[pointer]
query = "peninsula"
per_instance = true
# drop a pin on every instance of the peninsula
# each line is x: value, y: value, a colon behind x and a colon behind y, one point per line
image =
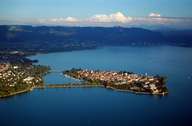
x: 122, y: 81
x: 18, y: 74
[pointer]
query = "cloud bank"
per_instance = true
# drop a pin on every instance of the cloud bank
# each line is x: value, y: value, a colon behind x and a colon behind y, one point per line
x: 59, y: 20
x: 154, y: 19
x: 115, y: 17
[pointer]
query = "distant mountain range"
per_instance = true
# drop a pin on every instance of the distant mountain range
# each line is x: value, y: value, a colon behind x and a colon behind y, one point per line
x: 58, y: 38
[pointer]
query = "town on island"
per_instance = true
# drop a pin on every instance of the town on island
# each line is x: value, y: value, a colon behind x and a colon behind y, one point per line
x: 19, y: 74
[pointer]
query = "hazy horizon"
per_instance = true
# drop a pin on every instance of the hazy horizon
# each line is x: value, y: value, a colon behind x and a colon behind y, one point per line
x: 129, y: 13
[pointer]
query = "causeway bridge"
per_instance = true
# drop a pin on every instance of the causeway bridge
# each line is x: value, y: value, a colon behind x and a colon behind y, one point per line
x: 73, y: 85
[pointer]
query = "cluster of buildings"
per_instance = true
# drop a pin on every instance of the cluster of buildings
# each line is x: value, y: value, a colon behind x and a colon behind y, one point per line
x: 122, y: 78
x: 18, y: 74
x: 15, y: 74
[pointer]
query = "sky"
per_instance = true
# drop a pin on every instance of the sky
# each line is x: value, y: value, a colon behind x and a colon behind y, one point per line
x: 175, y: 13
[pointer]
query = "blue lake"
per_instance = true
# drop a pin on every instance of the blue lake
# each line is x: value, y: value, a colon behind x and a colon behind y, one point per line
x: 99, y: 106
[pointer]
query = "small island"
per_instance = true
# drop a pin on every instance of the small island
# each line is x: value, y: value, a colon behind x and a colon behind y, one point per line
x: 121, y: 81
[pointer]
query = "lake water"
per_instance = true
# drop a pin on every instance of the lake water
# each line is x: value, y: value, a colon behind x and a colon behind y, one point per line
x: 99, y: 106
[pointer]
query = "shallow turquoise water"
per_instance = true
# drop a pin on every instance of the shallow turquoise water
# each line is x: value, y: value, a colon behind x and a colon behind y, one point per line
x: 99, y: 106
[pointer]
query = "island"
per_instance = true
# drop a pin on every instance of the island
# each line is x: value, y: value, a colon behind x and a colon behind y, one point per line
x: 121, y: 81
x: 19, y: 74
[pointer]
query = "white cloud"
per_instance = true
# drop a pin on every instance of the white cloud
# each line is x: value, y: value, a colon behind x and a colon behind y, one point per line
x: 115, y: 17
x: 108, y: 20
x: 154, y: 15
x: 59, y: 20
x: 71, y: 19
